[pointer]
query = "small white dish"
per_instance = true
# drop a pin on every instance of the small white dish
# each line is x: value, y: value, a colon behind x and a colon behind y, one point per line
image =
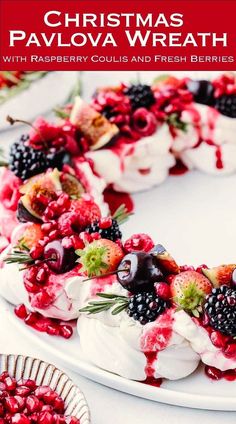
x: 20, y: 366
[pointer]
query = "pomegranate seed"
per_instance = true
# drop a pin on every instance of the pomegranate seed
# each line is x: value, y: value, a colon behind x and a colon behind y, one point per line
x: 2, y: 421
x: 53, y: 235
x: 2, y: 410
x: 53, y: 330
x: 21, y: 311
x: 217, y: 339
x: 187, y: 268
x: 77, y: 242
x: 72, y: 420
x: 31, y: 287
x: 66, y: 331
x: 54, y: 207
x: 22, y: 391
x: 27, y: 382
x: 31, y: 318
x: 97, y: 236
x: 36, y: 252
x: 42, y: 324
x: 59, y: 405
x: 201, y: 267
x: 230, y: 351
x: 42, y: 390
x: 43, y: 299
x: 45, y: 418
x: 11, y: 405
x: 230, y: 375
x: 59, y: 419
x: 20, y: 419
x: 2, y: 386
x: 48, y: 408
x: 105, y: 223
x: 47, y: 227
x: 10, y: 383
x: 32, y: 404
x: 41, y: 276
x: 21, y: 402
x: 31, y: 274
x: 4, y: 375
x: 67, y: 243
x: 213, y: 373
x: 64, y: 201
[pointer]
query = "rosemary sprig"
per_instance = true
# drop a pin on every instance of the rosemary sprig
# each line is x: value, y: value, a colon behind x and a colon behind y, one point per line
x: 20, y: 257
x: 121, y: 214
x: 112, y: 301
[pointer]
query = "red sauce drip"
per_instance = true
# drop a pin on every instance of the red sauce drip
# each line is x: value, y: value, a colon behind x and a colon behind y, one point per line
x: 178, y: 169
x: 151, y: 358
x: 156, y: 382
x: 219, y: 162
x: 215, y: 374
x: 115, y: 199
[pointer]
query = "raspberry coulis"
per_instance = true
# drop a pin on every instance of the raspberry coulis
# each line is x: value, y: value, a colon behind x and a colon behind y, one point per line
x: 154, y: 339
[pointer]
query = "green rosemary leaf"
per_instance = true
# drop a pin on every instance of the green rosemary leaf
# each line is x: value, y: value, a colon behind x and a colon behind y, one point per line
x: 121, y: 215
x: 119, y: 309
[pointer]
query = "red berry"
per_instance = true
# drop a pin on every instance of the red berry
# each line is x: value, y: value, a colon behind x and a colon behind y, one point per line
x: 66, y: 331
x: 230, y: 351
x: 213, y: 373
x: 105, y: 223
x: 139, y: 242
x: 217, y: 339
x: 163, y: 290
x: 41, y: 276
x: 36, y: 252
x: 21, y: 311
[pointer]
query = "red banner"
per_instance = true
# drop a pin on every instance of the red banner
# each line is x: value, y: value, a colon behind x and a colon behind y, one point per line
x: 117, y: 35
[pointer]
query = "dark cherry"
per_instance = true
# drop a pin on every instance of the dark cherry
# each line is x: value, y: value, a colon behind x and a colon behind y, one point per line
x: 59, y: 259
x: 202, y: 91
x: 141, y: 272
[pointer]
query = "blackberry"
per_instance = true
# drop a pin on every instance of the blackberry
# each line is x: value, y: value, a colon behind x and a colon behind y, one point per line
x: 226, y: 105
x: 140, y: 95
x: 24, y: 161
x: 112, y: 232
x: 202, y: 91
x: 57, y: 158
x: 220, y: 308
x: 146, y: 307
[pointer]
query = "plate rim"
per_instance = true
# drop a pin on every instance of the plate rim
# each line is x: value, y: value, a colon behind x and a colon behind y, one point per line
x: 114, y: 381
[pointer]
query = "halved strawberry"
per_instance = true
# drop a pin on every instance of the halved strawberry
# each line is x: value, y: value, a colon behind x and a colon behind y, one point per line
x: 87, y: 211
x: 220, y: 275
x: 31, y: 236
x: 189, y: 289
x: 100, y: 257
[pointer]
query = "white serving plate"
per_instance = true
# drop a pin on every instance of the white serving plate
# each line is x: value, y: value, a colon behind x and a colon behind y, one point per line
x: 195, y: 391
x: 45, y: 374
x: 194, y: 217
x: 40, y: 98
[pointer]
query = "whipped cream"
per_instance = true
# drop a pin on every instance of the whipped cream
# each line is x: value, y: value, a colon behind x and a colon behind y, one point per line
x: 65, y: 306
x: 201, y: 343
x: 137, y: 165
x: 123, y: 346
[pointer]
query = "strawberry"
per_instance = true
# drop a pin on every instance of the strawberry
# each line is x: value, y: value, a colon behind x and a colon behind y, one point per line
x: 87, y: 211
x: 189, y: 289
x: 100, y: 257
x: 220, y: 275
x: 31, y: 236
